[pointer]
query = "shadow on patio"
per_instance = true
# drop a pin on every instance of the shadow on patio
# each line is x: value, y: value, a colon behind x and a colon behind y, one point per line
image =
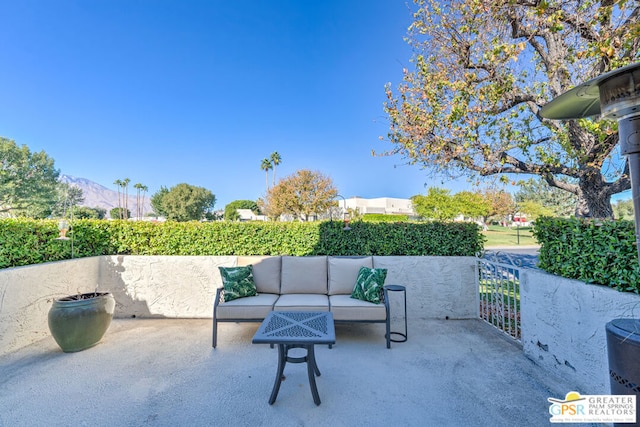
x: 164, y: 372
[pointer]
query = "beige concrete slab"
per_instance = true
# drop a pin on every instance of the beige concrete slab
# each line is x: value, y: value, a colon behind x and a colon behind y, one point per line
x: 162, y: 372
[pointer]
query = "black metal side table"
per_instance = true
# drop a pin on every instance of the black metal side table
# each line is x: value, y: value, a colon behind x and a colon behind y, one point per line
x: 400, y: 337
x: 296, y: 329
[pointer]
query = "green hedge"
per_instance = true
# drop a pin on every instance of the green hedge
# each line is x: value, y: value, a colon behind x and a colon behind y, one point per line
x: 33, y: 241
x: 602, y: 252
x: 384, y: 218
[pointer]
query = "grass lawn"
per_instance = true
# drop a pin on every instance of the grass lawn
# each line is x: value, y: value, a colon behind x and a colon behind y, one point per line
x: 505, y: 236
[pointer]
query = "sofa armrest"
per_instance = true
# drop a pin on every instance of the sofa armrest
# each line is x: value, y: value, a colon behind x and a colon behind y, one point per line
x: 219, y: 297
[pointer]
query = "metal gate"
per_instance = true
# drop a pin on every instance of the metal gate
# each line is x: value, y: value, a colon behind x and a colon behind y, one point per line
x: 499, y: 292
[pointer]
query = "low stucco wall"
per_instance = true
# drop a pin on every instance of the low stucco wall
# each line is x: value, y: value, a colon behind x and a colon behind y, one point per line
x: 563, y: 326
x: 26, y: 294
x: 184, y: 287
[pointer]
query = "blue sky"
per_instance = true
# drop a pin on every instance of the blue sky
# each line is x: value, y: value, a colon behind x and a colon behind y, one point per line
x: 164, y: 92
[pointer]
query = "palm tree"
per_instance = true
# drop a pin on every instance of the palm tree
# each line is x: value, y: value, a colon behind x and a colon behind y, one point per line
x: 275, y: 161
x: 118, y: 183
x: 265, y: 166
x: 125, y: 185
x: 138, y: 188
x: 144, y: 189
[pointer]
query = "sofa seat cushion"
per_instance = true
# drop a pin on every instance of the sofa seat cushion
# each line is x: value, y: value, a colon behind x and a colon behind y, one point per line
x: 343, y: 272
x: 256, y: 307
x: 302, y: 302
x: 346, y: 308
x: 304, y: 275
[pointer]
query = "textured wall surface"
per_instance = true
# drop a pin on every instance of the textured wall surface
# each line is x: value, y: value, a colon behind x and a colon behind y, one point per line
x: 563, y: 326
x: 26, y: 294
x: 184, y: 287
x: 163, y: 286
x: 437, y: 287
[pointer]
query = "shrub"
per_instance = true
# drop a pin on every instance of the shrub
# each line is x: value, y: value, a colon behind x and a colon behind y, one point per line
x: 33, y: 241
x: 602, y: 252
x: 384, y: 218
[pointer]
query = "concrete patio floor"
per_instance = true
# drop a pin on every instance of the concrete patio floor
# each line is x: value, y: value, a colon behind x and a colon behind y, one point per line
x: 163, y: 372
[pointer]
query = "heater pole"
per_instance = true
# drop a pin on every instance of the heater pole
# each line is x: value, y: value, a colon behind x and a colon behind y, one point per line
x: 629, y: 131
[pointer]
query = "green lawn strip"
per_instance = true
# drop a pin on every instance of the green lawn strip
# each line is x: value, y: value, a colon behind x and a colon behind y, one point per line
x: 504, y: 236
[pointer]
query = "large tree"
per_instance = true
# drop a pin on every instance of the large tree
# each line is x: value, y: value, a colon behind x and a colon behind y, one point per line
x: 266, y: 165
x: 68, y: 197
x: 623, y: 209
x: 28, y: 181
x: 441, y: 205
x: 183, y: 202
x: 500, y: 204
x: 302, y: 194
x: 276, y: 159
x: 472, y: 205
x: 438, y: 204
x: 140, y: 192
x: 482, y: 69
x: 558, y: 202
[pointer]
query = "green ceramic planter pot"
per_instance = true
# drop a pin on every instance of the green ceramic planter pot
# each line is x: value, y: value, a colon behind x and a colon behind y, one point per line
x: 79, y: 321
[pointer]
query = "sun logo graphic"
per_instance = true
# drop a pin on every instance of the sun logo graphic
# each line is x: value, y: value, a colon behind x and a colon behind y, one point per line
x: 573, y: 404
x: 593, y: 408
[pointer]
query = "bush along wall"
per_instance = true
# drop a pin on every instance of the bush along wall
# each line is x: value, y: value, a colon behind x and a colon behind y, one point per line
x: 26, y: 241
x: 369, y: 217
x: 598, y: 252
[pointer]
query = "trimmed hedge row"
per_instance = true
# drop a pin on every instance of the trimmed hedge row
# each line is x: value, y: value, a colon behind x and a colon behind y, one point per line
x: 602, y: 252
x: 384, y: 218
x: 26, y: 241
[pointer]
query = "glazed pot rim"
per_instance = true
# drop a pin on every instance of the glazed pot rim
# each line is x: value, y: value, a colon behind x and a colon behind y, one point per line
x: 83, y: 297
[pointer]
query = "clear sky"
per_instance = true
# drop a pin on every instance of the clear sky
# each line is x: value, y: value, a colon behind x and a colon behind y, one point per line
x: 164, y: 92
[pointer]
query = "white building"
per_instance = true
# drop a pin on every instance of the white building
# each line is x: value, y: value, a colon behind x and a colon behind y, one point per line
x: 248, y: 215
x: 380, y: 205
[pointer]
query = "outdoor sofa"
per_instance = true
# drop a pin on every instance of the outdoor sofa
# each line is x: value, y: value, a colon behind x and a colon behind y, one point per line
x: 304, y: 283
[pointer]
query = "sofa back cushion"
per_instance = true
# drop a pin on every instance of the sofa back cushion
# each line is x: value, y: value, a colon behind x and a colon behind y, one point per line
x: 343, y: 272
x: 304, y: 275
x: 266, y: 272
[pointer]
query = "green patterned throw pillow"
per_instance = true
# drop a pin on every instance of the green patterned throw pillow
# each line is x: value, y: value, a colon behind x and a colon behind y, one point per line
x: 237, y: 282
x: 369, y: 284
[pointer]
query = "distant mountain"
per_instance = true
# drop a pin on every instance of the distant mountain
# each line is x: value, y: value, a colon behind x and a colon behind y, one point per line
x: 99, y: 196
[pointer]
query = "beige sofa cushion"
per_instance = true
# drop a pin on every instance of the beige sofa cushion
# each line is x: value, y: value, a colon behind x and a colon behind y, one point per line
x: 302, y: 302
x: 256, y: 307
x: 266, y: 272
x: 343, y: 272
x: 344, y: 307
x: 304, y: 275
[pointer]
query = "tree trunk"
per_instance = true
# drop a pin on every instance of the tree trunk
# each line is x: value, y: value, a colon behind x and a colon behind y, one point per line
x: 594, y: 197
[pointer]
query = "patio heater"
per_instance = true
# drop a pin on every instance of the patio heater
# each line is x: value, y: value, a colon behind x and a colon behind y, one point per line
x: 614, y: 95
x: 64, y: 226
x: 345, y: 213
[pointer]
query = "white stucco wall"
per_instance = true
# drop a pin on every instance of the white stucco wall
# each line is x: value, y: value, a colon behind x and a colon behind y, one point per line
x: 437, y: 287
x: 184, y: 286
x: 26, y: 294
x: 163, y: 286
x: 563, y: 326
